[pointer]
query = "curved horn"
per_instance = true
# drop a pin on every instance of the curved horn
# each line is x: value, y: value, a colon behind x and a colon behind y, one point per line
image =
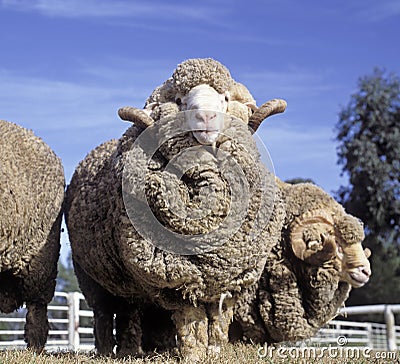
x: 312, y: 237
x: 138, y: 116
x: 271, y: 107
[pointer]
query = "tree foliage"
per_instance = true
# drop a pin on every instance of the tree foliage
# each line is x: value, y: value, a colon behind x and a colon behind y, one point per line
x: 297, y: 180
x: 66, y: 278
x: 368, y: 132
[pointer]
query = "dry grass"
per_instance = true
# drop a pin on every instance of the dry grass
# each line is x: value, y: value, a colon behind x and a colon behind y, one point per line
x: 231, y: 354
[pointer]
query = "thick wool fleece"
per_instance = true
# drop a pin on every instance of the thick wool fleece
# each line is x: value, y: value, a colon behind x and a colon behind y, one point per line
x: 31, y: 195
x: 194, y: 72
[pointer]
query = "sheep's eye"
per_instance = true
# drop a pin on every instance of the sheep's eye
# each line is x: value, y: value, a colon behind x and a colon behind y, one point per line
x: 178, y: 101
x: 226, y: 98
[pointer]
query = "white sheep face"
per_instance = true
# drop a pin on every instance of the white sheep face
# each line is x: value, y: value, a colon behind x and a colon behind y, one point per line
x: 356, y: 268
x: 206, y: 112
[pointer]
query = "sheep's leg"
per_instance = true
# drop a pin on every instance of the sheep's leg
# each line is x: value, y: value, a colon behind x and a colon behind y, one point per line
x: 128, y: 331
x: 103, y: 330
x: 218, y: 328
x: 192, y: 332
x: 36, y: 326
x: 102, y: 302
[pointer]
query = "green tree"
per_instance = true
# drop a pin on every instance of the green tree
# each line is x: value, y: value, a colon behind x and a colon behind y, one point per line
x: 368, y: 132
x: 66, y: 278
x: 297, y: 180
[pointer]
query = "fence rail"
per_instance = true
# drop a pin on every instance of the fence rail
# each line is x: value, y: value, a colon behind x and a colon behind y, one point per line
x: 71, y: 327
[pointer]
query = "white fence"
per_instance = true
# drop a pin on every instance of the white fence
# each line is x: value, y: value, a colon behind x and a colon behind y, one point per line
x: 70, y: 320
x: 362, y: 334
x: 71, y: 328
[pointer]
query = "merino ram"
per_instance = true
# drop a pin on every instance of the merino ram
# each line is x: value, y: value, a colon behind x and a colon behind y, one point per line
x: 31, y: 194
x: 309, y: 272
x: 179, y: 215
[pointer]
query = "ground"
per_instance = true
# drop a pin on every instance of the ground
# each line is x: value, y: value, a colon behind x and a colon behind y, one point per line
x: 238, y: 354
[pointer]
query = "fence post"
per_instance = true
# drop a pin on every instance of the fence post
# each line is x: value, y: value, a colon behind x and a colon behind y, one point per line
x: 390, y: 329
x: 73, y: 320
x: 370, y: 337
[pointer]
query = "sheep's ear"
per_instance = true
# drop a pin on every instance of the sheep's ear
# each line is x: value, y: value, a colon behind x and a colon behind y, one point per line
x: 312, y: 237
x: 239, y: 110
x: 367, y: 253
x: 271, y: 107
x: 139, y: 117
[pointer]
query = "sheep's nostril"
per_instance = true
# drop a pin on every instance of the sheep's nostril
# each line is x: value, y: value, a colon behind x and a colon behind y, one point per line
x: 200, y: 116
x: 366, y: 271
x: 205, y: 116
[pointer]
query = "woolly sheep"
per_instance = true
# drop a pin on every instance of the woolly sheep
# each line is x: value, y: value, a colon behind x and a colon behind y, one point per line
x: 31, y: 194
x: 119, y: 271
x: 309, y: 272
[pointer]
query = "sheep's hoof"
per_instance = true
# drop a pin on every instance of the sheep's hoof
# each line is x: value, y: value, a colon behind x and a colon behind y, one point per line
x: 130, y: 353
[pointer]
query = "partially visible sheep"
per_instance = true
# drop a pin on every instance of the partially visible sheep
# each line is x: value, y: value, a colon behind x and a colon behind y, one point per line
x: 308, y: 273
x: 31, y: 194
x: 118, y: 270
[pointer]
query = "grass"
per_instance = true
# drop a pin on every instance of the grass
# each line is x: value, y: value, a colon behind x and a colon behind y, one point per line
x: 231, y: 354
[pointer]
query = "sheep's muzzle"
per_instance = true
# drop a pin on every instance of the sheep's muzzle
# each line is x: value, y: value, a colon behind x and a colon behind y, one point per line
x: 356, y: 269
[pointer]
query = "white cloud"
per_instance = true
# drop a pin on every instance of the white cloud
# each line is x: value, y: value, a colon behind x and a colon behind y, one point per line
x: 292, y: 81
x: 366, y: 11
x: 123, y: 71
x: 71, y: 118
x: 114, y: 9
x: 208, y: 12
x: 58, y: 104
x: 376, y: 11
x: 53, y: 104
x: 161, y: 17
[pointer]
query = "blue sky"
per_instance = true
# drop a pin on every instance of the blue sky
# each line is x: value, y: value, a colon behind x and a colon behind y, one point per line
x: 66, y: 66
